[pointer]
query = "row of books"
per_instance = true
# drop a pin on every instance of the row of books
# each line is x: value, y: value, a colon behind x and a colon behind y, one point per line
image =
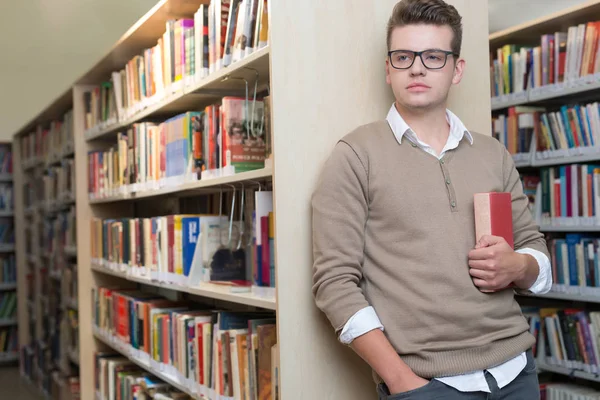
x: 8, y: 304
x: 566, y: 337
x: 571, y: 191
x: 60, y: 232
x: 7, y: 232
x: 6, y: 167
x: 192, y: 248
x: 229, y: 135
x: 559, y: 57
x: 229, y: 354
x: 570, y: 127
x: 8, y: 340
x: 575, y: 263
x: 59, y: 182
x: 567, y: 391
x: 47, y: 144
x: 69, y: 286
x: 117, y: 377
x: 6, y: 197
x: 217, y: 35
x: 515, y: 130
x: 8, y: 268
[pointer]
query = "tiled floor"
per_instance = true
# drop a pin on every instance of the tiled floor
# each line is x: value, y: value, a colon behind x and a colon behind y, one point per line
x: 13, y: 387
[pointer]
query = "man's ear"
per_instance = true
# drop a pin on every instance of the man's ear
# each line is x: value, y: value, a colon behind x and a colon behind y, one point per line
x: 458, y: 71
x: 387, y: 71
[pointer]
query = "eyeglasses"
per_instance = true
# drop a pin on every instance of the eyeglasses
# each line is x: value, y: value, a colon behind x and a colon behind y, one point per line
x: 431, y: 59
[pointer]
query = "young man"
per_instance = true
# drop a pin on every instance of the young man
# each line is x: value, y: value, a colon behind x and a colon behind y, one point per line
x: 397, y: 269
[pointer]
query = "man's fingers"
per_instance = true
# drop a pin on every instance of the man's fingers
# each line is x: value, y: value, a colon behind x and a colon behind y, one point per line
x: 488, y: 240
x: 482, y: 284
x: 480, y: 274
x: 482, y: 254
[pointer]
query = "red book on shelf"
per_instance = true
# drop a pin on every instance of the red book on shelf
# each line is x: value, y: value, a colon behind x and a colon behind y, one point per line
x: 493, y: 215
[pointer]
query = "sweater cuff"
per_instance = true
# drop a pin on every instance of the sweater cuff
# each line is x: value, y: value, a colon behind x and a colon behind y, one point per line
x: 363, y: 321
x: 543, y: 283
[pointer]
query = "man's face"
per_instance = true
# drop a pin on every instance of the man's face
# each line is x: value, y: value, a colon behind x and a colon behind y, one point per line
x: 418, y: 87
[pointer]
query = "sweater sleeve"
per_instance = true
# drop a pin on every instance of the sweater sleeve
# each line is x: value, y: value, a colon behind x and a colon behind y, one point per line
x: 526, y: 231
x: 340, y: 208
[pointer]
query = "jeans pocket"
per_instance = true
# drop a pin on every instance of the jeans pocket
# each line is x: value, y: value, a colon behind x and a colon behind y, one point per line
x: 415, y: 394
x: 530, y: 367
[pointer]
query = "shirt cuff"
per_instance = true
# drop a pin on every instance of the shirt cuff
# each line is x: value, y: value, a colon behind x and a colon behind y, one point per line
x: 543, y: 283
x: 363, y: 321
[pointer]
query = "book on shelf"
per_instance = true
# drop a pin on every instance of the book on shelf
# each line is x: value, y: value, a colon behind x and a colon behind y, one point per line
x: 575, y: 260
x: 225, y: 136
x: 567, y: 391
x: 8, y: 270
x: 570, y: 194
x: 188, y: 249
x: 6, y: 198
x: 192, y: 47
x: 8, y: 340
x: 565, y: 337
x: 6, y: 167
x: 515, y: 130
x: 228, y: 353
x: 7, y: 232
x: 117, y: 377
x: 573, y: 126
x: 48, y: 144
x: 59, y: 183
x: 558, y: 57
x: 8, y: 305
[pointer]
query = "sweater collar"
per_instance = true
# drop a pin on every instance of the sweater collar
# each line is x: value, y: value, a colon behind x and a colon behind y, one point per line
x: 400, y: 128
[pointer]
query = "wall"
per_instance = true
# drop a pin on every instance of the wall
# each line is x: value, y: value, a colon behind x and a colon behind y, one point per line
x: 506, y: 13
x: 47, y: 44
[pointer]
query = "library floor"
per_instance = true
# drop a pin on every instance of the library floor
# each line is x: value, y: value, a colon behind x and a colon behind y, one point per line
x: 13, y: 387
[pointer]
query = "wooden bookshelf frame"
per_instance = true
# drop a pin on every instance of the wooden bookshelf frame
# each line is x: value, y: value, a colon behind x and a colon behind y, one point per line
x: 316, y: 99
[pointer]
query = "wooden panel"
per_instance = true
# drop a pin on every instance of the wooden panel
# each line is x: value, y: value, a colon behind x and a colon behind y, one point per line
x: 470, y: 100
x: 21, y: 256
x: 87, y: 344
x: 328, y: 82
x: 531, y: 31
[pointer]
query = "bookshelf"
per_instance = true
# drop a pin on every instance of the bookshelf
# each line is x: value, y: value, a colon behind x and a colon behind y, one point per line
x: 8, y: 272
x: 573, y: 271
x: 43, y: 160
x: 312, y: 105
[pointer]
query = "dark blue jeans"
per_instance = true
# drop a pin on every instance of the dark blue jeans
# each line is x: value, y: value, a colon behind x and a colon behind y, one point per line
x: 524, y: 387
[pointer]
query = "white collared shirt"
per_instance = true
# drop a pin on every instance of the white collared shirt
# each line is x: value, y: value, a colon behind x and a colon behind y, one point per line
x: 366, y: 319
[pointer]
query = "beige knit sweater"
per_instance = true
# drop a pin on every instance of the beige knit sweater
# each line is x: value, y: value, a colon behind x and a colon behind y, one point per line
x: 392, y: 228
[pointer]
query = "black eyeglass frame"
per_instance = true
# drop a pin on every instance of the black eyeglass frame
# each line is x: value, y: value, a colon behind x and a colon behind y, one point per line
x: 419, y: 54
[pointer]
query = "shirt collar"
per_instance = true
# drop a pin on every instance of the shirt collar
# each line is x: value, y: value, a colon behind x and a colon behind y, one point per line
x: 400, y: 127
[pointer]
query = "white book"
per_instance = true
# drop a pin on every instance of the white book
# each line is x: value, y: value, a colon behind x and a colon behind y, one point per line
x: 264, y: 205
x: 579, y: 55
x: 565, y: 264
x: 571, y: 51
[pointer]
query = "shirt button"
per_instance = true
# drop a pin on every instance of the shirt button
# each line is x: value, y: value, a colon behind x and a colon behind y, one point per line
x: 442, y: 162
x: 447, y: 181
x: 453, y: 204
x: 413, y: 145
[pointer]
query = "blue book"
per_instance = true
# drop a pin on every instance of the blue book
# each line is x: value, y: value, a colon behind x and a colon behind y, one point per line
x: 572, y: 240
x: 190, y: 231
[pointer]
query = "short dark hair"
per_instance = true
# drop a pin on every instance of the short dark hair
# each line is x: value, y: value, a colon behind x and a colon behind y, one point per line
x: 435, y: 12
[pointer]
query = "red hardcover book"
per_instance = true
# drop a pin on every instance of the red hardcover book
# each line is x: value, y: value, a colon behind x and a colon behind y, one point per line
x: 493, y: 215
